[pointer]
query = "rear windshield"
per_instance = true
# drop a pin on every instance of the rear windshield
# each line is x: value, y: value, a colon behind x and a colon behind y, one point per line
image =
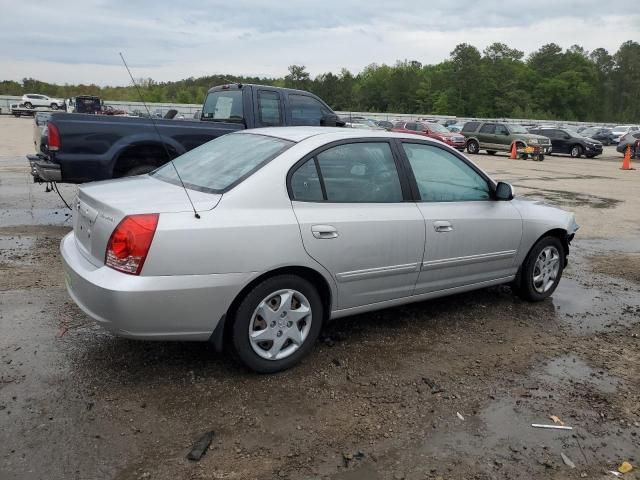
x: 223, y: 105
x: 222, y: 163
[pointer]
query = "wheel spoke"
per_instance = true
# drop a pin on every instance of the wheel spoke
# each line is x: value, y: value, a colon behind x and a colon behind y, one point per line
x: 278, y: 342
x: 263, y: 335
x: 295, y: 335
x: 298, y: 314
x: 537, y: 278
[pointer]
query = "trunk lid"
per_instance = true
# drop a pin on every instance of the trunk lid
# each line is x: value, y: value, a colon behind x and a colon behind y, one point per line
x: 100, y: 206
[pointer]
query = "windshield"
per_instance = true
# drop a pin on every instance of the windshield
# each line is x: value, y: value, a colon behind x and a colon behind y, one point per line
x: 222, y: 163
x: 436, y: 127
x: 517, y: 129
x: 223, y: 105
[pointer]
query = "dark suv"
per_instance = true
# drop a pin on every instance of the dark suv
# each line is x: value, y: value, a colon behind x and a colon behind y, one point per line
x: 630, y: 139
x: 566, y: 141
x: 495, y: 136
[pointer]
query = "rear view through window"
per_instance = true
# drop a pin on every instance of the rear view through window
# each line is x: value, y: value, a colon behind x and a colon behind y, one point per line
x: 222, y: 163
x: 223, y: 105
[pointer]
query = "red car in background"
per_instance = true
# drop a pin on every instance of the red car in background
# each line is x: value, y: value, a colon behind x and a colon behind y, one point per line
x: 432, y: 130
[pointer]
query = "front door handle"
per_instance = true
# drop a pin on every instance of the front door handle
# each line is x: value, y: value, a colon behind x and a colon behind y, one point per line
x: 324, y: 231
x: 442, y: 226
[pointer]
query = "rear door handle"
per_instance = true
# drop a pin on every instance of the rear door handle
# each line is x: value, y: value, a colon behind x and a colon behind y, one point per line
x: 442, y: 226
x: 324, y: 231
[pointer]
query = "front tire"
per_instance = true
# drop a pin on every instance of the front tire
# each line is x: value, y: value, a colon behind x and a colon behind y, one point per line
x: 473, y: 146
x: 54, y: 106
x: 277, y: 323
x: 576, y: 151
x: 542, y: 269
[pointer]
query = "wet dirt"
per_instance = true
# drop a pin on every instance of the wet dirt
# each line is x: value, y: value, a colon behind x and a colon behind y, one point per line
x: 377, y: 398
x: 569, y: 199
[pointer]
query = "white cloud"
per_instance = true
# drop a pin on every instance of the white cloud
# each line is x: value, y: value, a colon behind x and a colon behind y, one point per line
x: 167, y: 40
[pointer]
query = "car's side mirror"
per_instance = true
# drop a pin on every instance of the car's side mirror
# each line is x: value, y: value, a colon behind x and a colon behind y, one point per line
x: 504, y: 191
x: 329, y: 120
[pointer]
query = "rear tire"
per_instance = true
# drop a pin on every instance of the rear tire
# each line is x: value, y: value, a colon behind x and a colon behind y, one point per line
x: 54, y: 106
x: 248, y: 318
x: 139, y: 170
x: 28, y: 105
x: 541, y: 270
x: 473, y: 146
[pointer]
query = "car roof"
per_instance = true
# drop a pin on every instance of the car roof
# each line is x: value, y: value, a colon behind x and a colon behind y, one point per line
x: 298, y: 134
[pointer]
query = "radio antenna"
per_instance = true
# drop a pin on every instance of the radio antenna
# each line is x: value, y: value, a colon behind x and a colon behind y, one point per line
x: 153, y: 122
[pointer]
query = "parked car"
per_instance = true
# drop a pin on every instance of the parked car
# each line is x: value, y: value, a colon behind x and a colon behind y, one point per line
x: 91, y: 147
x: 33, y: 100
x: 570, y: 142
x: 602, y: 134
x: 455, y: 128
x: 621, y: 130
x: 308, y: 224
x: 384, y: 124
x: 630, y: 139
x: 431, y: 130
x: 494, y: 137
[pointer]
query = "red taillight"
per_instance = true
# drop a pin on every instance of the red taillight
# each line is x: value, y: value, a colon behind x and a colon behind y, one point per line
x: 130, y: 242
x: 53, y: 139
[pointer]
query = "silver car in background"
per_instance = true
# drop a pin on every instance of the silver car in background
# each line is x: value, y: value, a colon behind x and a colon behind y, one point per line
x: 296, y: 226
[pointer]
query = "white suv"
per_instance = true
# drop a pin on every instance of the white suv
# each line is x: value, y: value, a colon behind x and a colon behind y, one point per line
x: 32, y: 100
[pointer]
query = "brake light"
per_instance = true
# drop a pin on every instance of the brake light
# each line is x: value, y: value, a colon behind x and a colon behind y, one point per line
x: 53, y: 140
x: 130, y: 242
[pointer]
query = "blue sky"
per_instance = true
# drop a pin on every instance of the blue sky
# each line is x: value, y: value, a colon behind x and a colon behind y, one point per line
x: 78, y: 40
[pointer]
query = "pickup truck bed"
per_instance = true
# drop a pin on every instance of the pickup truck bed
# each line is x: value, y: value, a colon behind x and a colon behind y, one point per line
x: 80, y: 148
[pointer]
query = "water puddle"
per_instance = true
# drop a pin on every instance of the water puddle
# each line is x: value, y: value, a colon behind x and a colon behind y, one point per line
x: 588, y: 309
x: 570, y: 370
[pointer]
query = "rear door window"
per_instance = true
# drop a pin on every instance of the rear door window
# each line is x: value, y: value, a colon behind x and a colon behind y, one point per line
x: 470, y: 127
x: 488, y: 128
x: 269, y: 108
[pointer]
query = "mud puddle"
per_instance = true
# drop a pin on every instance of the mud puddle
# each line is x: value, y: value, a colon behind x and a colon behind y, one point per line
x: 567, y: 199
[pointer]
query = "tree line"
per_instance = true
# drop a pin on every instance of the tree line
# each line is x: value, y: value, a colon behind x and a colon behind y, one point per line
x: 499, y: 82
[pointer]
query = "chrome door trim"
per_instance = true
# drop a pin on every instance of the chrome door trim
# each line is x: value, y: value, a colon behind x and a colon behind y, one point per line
x: 376, y: 272
x: 457, y: 261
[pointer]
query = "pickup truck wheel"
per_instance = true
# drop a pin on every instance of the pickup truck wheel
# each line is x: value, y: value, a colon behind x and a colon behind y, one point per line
x: 473, y: 146
x: 54, y: 106
x: 28, y: 105
x: 139, y: 170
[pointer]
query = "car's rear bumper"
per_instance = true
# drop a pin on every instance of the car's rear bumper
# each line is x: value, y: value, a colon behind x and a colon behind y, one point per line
x: 179, y: 307
x: 44, y: 170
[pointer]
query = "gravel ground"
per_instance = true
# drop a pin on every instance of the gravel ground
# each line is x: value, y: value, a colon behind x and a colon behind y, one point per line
x: 445, y: 389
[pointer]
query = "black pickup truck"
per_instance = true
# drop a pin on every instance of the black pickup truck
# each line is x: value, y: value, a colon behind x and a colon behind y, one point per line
x: 76, y: 148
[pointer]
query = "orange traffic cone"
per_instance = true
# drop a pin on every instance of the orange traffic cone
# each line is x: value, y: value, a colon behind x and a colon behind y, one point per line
x: 514, y: 152
x: 626, y: 161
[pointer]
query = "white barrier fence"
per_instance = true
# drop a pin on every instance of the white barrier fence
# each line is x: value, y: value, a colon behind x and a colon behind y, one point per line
x: 188, y: 110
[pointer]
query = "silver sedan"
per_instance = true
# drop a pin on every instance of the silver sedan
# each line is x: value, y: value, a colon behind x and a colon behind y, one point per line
x: 255, y: 240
